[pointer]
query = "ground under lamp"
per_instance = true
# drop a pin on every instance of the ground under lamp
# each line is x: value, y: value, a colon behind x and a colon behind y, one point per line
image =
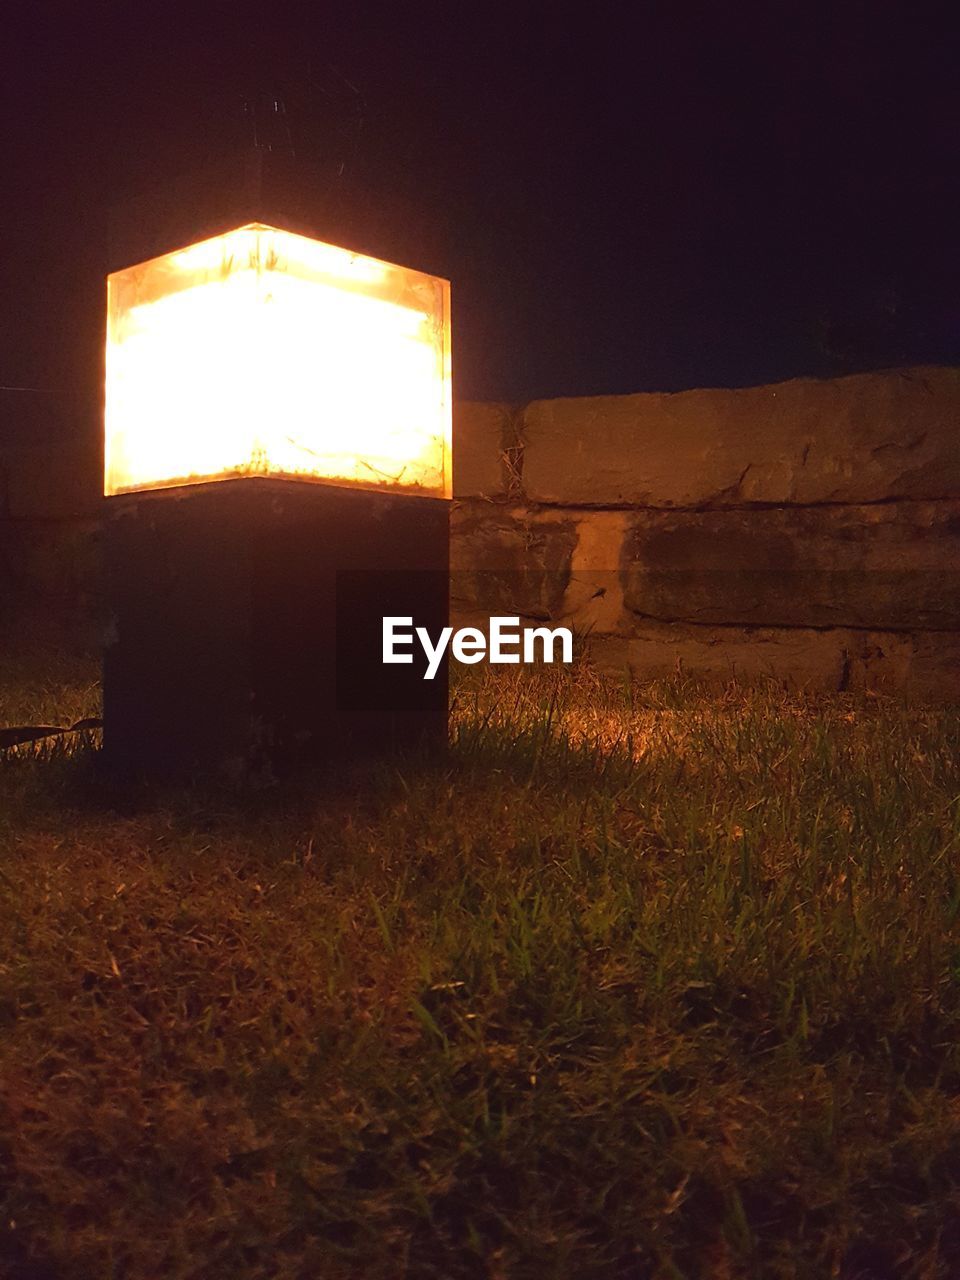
x: 277, y: 469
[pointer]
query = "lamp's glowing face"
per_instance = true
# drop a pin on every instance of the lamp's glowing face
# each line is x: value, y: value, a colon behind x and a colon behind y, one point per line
x: 260, y: 352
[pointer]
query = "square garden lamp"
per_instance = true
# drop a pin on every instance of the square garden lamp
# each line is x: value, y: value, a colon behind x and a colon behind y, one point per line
x: 277, y: 471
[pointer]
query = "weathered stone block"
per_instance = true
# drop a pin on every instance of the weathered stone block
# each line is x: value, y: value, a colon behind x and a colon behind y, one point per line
x: 510, y: 561
x: 866, y: 438
x: 893, y: 566
x: 924, y: 666
x: 480, y: 442
x: 594, y: 597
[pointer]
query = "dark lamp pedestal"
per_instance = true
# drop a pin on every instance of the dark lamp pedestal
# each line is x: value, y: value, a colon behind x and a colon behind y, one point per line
x: 246, y: 635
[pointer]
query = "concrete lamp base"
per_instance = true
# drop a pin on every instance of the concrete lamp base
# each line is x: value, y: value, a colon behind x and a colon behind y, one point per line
x: 246, y: 634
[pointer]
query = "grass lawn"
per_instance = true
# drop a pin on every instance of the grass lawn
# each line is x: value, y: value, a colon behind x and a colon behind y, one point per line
x: 648, y: 981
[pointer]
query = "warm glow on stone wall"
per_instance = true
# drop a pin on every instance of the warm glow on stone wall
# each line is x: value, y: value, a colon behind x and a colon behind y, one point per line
x: 260, y: 352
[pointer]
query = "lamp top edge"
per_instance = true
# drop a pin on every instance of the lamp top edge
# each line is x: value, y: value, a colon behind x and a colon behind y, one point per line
x: 256, y: 225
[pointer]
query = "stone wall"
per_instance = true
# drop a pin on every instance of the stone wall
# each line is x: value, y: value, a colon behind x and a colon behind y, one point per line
x: 808, y: 530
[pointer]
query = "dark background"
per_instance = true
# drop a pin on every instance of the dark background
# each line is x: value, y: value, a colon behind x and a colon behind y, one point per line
x: 626, y: 197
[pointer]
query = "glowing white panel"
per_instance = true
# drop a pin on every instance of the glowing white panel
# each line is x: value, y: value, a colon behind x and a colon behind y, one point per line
x: 260, y: 352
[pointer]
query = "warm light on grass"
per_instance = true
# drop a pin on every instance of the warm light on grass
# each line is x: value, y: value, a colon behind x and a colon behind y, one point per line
x: 642, y: 980
x: 260, y: 352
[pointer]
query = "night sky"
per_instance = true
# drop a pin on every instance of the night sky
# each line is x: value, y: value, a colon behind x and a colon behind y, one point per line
x: 626, y: 197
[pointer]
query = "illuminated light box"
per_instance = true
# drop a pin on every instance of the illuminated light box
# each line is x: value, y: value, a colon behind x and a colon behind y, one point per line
x: 265, y: 353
